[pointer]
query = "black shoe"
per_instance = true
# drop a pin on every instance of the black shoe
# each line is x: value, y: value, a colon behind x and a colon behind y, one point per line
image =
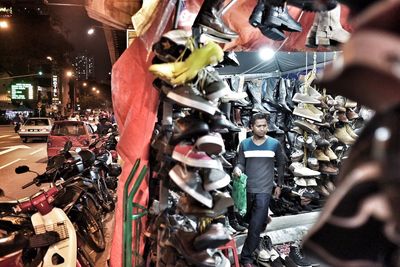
x: 257, y: 15
x: 187, y: 128
x: 235, y: 225
x: 278, y: 17
x: 314, y: 5
x: 273, y: 33
x: 219, y: 122
x: 214, y: 237
x: 171, y: 46
x: 298, y: 258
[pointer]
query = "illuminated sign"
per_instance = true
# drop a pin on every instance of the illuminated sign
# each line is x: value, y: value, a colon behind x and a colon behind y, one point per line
x: 54, y: 83
x: 22, y: 91
x: 5, y: 12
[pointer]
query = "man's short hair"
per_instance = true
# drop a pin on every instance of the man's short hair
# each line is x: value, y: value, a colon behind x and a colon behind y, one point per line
x: 258, y: 116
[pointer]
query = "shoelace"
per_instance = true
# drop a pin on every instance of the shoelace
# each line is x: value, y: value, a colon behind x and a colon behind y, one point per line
x: 298, y: 253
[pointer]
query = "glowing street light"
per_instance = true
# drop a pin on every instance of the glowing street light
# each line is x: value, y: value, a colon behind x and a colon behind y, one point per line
x: 84, y: 84
x: 97, y: 92
x: 93, y: 88
x: 90, y: 31
x: 4, y: 24
x: 69, y: 73
x: 49, y: 58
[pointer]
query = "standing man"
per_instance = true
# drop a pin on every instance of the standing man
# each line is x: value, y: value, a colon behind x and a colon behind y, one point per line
x: 257, y: 157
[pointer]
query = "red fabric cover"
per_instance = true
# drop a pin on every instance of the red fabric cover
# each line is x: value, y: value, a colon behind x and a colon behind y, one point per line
x: 135, y: 100
x: 135, y: 106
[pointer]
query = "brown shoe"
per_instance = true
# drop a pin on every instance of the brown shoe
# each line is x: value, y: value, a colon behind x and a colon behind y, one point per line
x: 329, y: 152
x: 344, y: 136
x: 328, y: 168
x: 351, y: 114
x: 350, y: 131
x: 341, y: 116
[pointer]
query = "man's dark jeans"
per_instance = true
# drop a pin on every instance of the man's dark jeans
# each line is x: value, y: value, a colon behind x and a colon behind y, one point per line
x: 257, y: 213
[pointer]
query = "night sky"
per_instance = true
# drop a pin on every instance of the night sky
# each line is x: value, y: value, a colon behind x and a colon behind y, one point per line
x: 77, y: 22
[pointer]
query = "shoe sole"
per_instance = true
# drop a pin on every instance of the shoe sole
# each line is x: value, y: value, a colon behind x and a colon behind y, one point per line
x: 210, y: 164
x: 217, y: 184
x: 179, y: 99
x: 211, y: 144
x: 210, y: 31
x: 278, y: 23
x: 217, y: 94
x: 182, y: 185
x: 296, y: 98
x: 295, y: 112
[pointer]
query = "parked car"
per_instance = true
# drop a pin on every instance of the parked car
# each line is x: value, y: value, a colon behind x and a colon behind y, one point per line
x: 35, y: 128
x: 78, y: 132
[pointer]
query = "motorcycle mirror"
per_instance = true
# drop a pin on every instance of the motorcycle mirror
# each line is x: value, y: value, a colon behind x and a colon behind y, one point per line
x: 21, y: 169
x: 2, y: 194
x: 67, y: 146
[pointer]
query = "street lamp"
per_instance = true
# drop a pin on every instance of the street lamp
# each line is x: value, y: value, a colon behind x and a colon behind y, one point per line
x: 93, y: 88
x: 91, y: 30
x: 4, y: 24
x: 98, y: 92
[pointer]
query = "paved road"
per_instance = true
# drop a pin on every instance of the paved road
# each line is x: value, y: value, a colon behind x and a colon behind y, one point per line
x: 13, y: 153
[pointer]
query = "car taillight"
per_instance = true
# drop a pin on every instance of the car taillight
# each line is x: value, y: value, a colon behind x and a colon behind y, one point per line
x: 44, y: 130
x: 22, y: 130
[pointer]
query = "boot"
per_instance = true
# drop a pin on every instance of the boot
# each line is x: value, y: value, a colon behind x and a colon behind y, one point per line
x: 282, y: 96
x: 255, y: 96
x: 329, y: 30
x: 313, y: 5
x: 273, y: 33
x: 281, y: 121
x: 269, y: 87
x: 278, y: 17
x: 271, y: 124
x: 257, y: 15
x: 289, y: 94
x: 237, y: 116
x: 210, y: 21
x: 226, y: 109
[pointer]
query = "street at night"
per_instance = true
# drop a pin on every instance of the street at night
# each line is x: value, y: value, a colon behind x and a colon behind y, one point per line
x: 13, y: 153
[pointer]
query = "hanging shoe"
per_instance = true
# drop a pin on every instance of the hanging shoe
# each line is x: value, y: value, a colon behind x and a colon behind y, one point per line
x: 279, y: 17
x: 329, y: 30
x: 273, y: 33
x: 255, y: 95
x: 211, y: 85
x: 184, y: 71
x: 282, y: 96
x: 210, y: 22
x: 172, y: 45
x: 257, y: 15
x: 313, y: 5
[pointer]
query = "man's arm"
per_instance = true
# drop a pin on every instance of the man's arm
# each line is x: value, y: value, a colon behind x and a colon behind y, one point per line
x: 241, y: 160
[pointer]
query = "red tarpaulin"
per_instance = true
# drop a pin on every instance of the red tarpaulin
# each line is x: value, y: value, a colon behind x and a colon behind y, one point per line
x: 136, y: 101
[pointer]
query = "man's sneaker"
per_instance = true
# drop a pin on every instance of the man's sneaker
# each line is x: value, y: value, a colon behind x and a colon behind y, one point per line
x: 305, y: 192
x: 189, y: 155
x: 222, y: 201
x: 264, y: 249
x: 187, y: 128
x: 306, y: 126
x: 211, y: 85
x: 302, y: 111
x: 300, y: 170
x: 215, y: 179
x: 235, y: 225
x: 172, y: 45
x: 191, y: 183
x: 305, y: 99
x: 298, y: 258
x: 185, y: 95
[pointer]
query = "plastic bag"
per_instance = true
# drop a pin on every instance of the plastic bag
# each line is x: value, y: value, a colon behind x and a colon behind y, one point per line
x: 239, y: 194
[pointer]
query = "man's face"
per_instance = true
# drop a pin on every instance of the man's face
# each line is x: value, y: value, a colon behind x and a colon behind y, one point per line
x: 259, y: 128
